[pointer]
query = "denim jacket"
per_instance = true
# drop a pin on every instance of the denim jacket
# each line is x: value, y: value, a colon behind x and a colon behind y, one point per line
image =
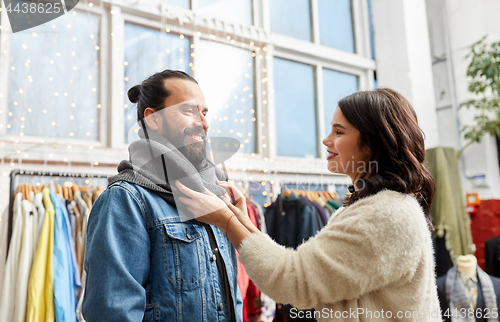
x: 144, y: 264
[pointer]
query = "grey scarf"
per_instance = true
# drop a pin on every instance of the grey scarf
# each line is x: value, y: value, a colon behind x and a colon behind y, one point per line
x: 456, y: 296
x: 156, y: 164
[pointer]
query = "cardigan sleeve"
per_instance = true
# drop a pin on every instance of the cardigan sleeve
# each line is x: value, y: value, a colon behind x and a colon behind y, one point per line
x: 363, y: 250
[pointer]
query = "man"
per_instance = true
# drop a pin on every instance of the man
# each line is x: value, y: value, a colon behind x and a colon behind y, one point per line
x: 143, y: 260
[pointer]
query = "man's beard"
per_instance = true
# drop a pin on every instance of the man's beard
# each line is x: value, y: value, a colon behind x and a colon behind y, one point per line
x: 194, y: 152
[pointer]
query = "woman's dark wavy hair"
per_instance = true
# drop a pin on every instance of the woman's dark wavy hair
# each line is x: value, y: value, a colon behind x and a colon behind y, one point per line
x: 388, y: 126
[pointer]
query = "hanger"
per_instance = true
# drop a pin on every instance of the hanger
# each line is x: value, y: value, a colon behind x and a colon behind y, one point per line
x: 70, y: 193
x: 327, y: 195
x: 25, y: 192
x: 287, y: 193
x: 30, y: 190
x: 75, y: 188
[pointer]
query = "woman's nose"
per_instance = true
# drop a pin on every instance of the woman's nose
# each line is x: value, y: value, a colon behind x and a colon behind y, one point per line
x: 327, y: 141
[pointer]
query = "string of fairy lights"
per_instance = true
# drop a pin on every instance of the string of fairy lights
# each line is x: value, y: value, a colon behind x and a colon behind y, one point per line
x: 23, y: 122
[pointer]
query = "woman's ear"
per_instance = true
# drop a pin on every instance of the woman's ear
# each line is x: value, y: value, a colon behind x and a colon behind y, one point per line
x: 153, y: 120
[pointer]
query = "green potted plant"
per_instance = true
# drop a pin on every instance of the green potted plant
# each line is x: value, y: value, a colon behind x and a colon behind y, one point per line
x: 484, y: 71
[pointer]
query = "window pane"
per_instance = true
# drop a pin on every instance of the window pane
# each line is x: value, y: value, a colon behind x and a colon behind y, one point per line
x: 226, y: 76
x: 295, y: 109
x: 335, y: 24
x: 239, y: 11
x: 291, y: 18
x: 336, y: 85
x: 54, y: 79
x: 186, y: 4
x: 147, y: 52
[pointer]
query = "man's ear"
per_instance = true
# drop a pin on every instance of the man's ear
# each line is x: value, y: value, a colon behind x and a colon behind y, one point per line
x: 152, y: 119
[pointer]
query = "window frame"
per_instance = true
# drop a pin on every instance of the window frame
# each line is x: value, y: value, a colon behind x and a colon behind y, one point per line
x: 185, y: 21
x: 56, y: 145
x: 319, y: 56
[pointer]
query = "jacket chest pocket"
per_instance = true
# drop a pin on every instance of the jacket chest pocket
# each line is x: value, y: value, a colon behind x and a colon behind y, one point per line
x: 183, y: 243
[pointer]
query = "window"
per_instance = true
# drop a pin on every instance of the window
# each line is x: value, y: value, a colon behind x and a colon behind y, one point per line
x: 335, y: 24
x: 336, y: 85
x: 295, y: 109
x: 226, y: 76
x: 54, y: 79
x: 147, y: 52
x: 291, y: 18
x: 239, y: 11
x: 260, y: 76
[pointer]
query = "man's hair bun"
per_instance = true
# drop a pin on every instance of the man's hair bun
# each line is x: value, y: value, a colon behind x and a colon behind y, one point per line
x: 134, y: 93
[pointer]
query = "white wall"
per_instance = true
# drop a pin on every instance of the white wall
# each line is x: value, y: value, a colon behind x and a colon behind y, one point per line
x: 403, y: 58
x: 453, y: 26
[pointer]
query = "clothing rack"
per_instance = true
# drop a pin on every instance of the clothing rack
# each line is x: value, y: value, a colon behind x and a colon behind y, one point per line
x: 17, y: 173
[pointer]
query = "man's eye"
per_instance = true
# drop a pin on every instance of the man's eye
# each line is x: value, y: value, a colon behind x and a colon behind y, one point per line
x: 338, y: 132
x: 189, y: 111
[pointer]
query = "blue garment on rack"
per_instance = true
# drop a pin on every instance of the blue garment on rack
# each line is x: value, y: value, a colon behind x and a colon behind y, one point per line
x: 323, y: 218
x: 64, y: 286
x: 290, y: 221
x: 72, y: 248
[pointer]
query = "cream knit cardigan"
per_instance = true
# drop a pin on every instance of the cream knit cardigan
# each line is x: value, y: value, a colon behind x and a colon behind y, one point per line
x: 373, y: 256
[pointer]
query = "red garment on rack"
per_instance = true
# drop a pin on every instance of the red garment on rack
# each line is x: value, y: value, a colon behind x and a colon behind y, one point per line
x: 250, y: 294
x: 485, y: 224
x: 243, y: 281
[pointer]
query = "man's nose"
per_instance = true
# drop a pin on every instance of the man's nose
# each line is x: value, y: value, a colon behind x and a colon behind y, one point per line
x: 202, y: 121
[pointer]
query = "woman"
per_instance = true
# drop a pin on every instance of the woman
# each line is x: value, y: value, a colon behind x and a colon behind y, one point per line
x: 374, y: 259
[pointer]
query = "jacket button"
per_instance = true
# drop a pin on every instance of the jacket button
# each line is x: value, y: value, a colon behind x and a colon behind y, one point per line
x: 188, y: 235
x: 221, y: 306
x: 213, y: 258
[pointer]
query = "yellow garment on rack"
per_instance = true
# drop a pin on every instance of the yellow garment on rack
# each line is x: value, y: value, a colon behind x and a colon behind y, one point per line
x: 41, y: 284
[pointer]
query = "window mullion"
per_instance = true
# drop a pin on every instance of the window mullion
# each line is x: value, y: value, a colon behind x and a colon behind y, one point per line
x: 266, y: 20
x: 320, y: 108
x: 270, y: 120
x: 257, y: 13
x: 315, y: 21
x: 117, y: 73
x: 259, y: 106
x: 369, y: 80
x: 194, y: 5
x: 360, y: 25
x: 104, y: 83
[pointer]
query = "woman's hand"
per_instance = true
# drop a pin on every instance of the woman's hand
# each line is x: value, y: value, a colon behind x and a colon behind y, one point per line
x: 238, y: 205
x: 207, y: 208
